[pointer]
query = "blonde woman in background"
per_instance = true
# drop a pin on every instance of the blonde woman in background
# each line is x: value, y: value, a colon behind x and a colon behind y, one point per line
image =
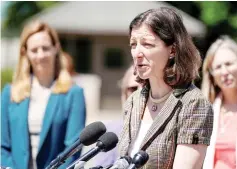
x: 220, y: 87
x: 42, y: 112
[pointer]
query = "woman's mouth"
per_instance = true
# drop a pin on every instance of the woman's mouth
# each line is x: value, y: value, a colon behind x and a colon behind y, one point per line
x: 227, y: 82
x: 141, y: 66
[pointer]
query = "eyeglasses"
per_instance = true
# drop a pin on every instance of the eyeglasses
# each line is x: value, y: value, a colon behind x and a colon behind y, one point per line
x: 132, y: 89
x: 229, y: 66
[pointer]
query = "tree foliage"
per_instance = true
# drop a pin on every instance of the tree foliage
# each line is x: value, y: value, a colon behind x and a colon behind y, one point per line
x: 219, y: 16
x: 19, y: 11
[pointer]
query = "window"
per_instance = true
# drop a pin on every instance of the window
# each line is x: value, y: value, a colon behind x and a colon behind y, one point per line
x: 113, y: 58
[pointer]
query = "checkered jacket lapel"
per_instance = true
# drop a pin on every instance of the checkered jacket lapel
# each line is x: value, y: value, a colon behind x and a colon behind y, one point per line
x: 129, y: 133
x: 166, y: 113
x: 143, y: 97
x: 172, y: 105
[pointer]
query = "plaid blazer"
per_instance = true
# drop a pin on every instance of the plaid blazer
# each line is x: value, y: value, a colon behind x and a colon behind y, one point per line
x: 186, y: 118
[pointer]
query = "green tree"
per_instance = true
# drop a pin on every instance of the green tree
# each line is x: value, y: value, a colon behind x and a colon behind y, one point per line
x: 19, y: 11
x: 219, y: 16
x: 6, y: 76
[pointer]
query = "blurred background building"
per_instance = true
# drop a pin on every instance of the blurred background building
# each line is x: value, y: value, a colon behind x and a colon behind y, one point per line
x: 95, y: 34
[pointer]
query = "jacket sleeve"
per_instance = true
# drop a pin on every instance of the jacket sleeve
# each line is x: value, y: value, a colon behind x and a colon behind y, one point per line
x: 76, y: 121
x: 195, y: 122
x: 6, y: 156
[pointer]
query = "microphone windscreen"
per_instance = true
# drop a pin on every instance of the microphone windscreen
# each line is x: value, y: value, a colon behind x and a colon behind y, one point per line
x: 140, y: 158
x: 92, y: 132
x: 109, y: 141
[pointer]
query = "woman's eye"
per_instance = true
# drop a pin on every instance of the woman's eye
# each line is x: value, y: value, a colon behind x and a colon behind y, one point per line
x: 132, y: 45
x: 34, y: 50
x: 217, y: 67
x: 148, y: 45
x: 228, y: 64
x: 46, y: 48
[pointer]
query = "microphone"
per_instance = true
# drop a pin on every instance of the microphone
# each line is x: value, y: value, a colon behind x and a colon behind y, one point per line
x: 122, y: 163
x: 88, y: 136
x: 105, y: 143
x: 97, y: 167
x: 139, y: 160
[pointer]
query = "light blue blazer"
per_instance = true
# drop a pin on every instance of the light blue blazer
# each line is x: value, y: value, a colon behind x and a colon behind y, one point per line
x: 63, y: 121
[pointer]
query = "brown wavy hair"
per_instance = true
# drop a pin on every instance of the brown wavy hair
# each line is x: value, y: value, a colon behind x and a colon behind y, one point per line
x: 70, y: 65
x: 168, y: 26
x: 21, y: 84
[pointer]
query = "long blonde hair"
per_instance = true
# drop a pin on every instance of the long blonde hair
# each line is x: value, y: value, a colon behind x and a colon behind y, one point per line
x: 21, y: 84
x: 209, y: 89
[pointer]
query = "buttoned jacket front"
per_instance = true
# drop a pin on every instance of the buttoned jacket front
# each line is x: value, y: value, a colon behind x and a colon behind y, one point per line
x: 63, y: 122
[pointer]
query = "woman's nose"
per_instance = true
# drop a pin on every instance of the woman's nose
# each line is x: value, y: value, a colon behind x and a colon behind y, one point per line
x: 139, y: 53
x: 40, y: 53
x: 224, y: 69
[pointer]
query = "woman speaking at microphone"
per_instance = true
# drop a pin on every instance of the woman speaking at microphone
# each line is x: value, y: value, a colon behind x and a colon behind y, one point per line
x: 169, y: 118
x: 42, y: 112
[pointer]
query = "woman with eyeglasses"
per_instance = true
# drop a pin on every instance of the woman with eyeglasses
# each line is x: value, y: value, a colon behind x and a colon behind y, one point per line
x: 220, y: 87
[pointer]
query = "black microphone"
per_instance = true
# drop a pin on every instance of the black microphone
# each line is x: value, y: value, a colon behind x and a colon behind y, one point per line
x: 139, y: 160
x: 122, y: 163
x: 105, y: 143
x: 88, y: 136
x: 97, y: 167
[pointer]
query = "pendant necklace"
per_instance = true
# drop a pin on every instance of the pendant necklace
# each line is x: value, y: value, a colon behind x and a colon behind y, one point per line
x: 155, y: 102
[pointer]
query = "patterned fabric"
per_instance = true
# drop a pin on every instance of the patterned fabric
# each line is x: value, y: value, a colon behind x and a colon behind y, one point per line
x: 186, y: 118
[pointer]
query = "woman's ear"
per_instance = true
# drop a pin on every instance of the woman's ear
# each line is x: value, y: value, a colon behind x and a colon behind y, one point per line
x: 23, y: 50
x: 57, y: 48
x: 134, y: 70
x: 55, y: 51
x: 173, y: 50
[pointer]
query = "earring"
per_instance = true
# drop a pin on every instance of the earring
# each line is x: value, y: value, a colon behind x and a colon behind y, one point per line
x: 171, y: 61
x: 135, y: 71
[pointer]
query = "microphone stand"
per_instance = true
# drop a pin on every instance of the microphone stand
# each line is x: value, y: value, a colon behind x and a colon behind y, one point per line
x: 61, y: 159
x: 77, y: 165
x: 81, y: 162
